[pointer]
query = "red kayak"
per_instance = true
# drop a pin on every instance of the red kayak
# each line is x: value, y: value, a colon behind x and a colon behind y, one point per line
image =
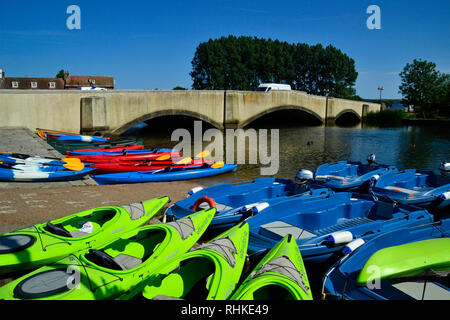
x: 102, y: 158
x: 132, y: 147
x: 103, y: 168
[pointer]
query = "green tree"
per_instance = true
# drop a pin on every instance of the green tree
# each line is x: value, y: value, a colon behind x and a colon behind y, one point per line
x: 60, y: 74
x: 242, y: 63
x: 179, y: 88
x: 423, y: 86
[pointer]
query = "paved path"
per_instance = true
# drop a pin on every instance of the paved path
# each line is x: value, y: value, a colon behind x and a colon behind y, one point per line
x: 23, y: 140
x: 28, y: 203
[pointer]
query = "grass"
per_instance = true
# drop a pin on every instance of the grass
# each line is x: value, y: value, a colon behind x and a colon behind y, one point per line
x: 385, y: 118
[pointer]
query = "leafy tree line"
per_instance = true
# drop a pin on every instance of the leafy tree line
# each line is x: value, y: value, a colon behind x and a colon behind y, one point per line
x: 242, y: 63
x: 425, y: 88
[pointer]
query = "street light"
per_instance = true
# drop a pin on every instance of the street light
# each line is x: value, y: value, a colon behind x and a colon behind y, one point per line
x: 381, y: 89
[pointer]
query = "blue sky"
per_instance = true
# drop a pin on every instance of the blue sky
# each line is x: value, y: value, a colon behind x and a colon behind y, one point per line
x: 150, y: 44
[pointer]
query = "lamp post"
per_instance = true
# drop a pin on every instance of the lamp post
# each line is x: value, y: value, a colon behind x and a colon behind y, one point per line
x: 380, y: 88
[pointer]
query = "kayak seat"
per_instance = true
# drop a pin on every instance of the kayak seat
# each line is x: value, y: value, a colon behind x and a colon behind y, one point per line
x: 219, y: 206
x: 343, y: 225
x: 57, y: 229
x: 381, y: 211
x: 78, y: 234
x: 97, y: 218
x: 280, y: 229
x: 127, y: 262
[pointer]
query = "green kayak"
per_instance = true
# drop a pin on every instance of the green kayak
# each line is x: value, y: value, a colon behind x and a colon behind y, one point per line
x: 280, y: 275
x: 48, y: 242
x: 407, y: 260
x: 209, y: 272
x: 115, y: 268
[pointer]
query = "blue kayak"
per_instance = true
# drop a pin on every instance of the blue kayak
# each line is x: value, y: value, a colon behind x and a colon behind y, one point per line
x: 324, y: 226
x: 419, y: 279
x: 416, y: 187
x: 236, y: 202
x: 18, y: 158
x: 174, y: 174
x: 350, y: 175
x: 40, y: 173
x: 106, y: 152
x: 67, y: 137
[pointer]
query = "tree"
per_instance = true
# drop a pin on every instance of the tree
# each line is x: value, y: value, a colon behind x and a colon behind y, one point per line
x: 242, y: 63
x: 179, y: 88
x: 60, y: 74
x: 423, y: 86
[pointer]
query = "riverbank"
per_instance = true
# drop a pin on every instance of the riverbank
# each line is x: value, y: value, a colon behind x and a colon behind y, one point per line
x: 23, y: 204
x: 426, y: 122
x: 23, y: 140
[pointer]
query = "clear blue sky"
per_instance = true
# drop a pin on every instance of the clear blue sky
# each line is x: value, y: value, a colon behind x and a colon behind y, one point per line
x: 150, y: 44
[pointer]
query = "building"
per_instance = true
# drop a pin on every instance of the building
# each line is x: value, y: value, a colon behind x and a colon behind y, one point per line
x: 69, y: 82
x: 77, y: 82
x: 30, y: 83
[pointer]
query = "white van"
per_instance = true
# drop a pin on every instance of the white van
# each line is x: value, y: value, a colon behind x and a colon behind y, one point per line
x: 266, y: 87
x: 92, y: 88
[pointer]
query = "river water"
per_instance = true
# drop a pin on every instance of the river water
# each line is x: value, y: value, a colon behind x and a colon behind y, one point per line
x: 306, y: 147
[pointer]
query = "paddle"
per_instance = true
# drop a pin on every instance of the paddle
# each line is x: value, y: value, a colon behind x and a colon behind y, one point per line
x: 216, y: 165
x: 71, y: 165
x: 186, y: 160
x: 201, y: 155
x: 74, y: 166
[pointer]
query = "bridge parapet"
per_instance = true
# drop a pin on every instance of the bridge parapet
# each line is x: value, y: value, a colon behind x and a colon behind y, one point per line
x: 116, y: 111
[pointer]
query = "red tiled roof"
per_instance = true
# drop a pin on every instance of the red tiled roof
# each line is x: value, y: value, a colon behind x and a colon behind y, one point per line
x: 25, y: 83
x: 83, y: 81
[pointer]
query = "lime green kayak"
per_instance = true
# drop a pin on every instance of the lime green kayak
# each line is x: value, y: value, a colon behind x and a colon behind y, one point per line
x: 114, y: 269
x: 209, y: 272
x: 407, y: 260
x: 48, y: 242
x: 280, y: 275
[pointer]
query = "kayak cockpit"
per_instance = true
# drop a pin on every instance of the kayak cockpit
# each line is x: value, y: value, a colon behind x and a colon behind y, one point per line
x: 191, y: 279
x: 81, y: 225
x: 127, y: 253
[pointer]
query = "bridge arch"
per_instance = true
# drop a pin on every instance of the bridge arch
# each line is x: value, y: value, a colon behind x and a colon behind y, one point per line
x: 281, y: 108
x: 164, y: 113
x: 348, y: 113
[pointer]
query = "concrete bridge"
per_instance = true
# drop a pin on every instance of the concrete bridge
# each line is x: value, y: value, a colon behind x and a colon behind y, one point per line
x: 118, y: 110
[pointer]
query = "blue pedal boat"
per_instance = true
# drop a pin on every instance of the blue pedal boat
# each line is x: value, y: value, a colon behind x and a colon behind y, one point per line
x: 423, y: 274
x: 236, y: 202
x: 350, y: 175
x: 323, y: 227
x: 417, y: 187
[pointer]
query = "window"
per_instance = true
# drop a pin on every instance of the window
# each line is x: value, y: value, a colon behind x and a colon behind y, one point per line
x: 33, y: 84
x: 52, y: 85
x: 15, y: 84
